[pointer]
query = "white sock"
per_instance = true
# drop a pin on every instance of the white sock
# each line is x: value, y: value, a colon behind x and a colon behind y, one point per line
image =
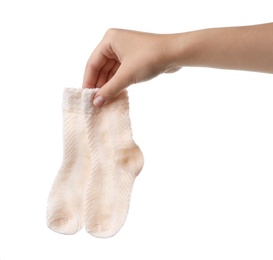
x: 66, y: 199
x: 115, y: 162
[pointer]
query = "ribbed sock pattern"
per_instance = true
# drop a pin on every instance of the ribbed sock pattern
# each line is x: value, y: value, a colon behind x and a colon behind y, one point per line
x: 116, y: 161
x: 66, y: 198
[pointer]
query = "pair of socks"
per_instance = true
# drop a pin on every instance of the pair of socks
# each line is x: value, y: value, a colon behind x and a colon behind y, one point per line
x: 100, y: 163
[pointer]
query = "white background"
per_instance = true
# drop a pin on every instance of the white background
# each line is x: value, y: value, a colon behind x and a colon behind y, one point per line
x: 205, y: 191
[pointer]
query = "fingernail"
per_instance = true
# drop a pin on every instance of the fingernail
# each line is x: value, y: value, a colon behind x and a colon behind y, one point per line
x: 98, y: 101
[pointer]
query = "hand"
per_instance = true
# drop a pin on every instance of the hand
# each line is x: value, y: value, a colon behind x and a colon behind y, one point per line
x: 126, y: 57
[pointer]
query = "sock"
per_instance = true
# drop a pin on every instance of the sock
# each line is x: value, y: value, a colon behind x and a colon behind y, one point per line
x: 66, y: 198
x: 115, y: 162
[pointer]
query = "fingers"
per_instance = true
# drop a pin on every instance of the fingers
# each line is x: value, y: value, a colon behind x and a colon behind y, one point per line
x: 92, y: 70
x: 113, y: 87
x: 99, y: 65
x: 100, y: 73
x: 104, y: 72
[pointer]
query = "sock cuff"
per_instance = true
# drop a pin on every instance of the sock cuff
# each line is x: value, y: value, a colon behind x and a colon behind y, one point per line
x: 72, y: 100
x: 87, y: 97
x: 79, y: 100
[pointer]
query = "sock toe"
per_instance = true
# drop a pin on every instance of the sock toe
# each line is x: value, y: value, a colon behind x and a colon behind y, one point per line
x: 102, y: 230
x: 64, y: 222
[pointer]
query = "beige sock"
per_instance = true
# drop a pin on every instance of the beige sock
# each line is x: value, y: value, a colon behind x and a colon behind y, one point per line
x: 115, y: 162
x: 66, y: 199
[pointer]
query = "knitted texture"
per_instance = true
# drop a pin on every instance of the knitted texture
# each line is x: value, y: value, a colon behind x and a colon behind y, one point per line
x: 65, y: 202
x: 116, y: 161
x: 100, y: 163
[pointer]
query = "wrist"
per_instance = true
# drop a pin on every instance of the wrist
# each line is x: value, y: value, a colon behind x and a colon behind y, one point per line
x: 182, y: 49
x: 186, y: 48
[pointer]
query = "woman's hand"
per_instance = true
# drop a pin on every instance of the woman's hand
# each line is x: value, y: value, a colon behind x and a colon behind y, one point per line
x: 126, y: 57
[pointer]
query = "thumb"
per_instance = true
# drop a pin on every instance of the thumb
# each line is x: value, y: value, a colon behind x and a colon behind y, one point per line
x: 112, y: 88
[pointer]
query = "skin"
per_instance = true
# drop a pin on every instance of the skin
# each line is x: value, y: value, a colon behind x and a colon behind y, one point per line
x: 125, y: 57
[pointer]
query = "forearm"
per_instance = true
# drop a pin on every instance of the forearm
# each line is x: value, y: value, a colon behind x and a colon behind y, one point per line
x: 240, y: 48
